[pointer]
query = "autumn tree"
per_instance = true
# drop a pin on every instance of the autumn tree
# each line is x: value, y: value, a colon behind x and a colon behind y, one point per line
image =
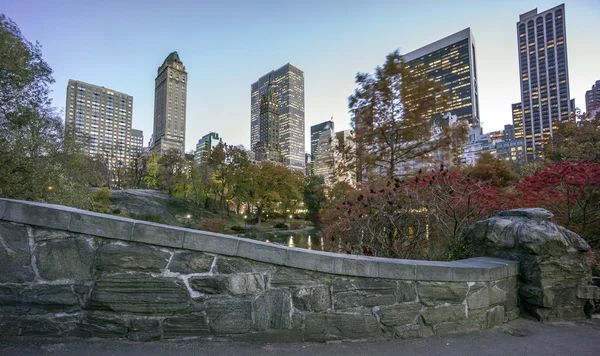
x: 575, y: 141
x: 495, y: 170
x: 315, y: 196
x: 392, y: 112
x: 171, y: 170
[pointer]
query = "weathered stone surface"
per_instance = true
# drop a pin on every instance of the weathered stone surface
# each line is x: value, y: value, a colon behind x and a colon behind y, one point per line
x: 101, y: 324
x: 15, y: 259
x: 210, y: 284
x: 225, y: 265
x: 588, y: 292
x: 338, y: 326
x: 158, y: 234
x: 362, y: 292
x: 400, y: 315
x: 50, y: 297
x: 270, y: 336
x: 147, y: 329
x: 102, y: 225
x: 243, y: 284
x: 406, y: 292
x: 495, y: 316
x: 65, y: 259
x: 436, y: 293
x: 139, y: 295
x: 449, y: 313
x: 180, y: 326
x: 292, y: 277
x: 48, y: 325
x: 116, y: 257
x: 9, y: 324
x: 229, y: 315
x: 40, y: 234
x: 186, y: 262
x: 550, y: 272
x: 531, y: 213
x: 38, y: 214
x: 272, y: 310
x: 413, y: 331
x: 313, y: 299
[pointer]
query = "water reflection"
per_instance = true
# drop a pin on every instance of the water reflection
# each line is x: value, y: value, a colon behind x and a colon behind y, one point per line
x: 291, y: 242
x: 308, y: 239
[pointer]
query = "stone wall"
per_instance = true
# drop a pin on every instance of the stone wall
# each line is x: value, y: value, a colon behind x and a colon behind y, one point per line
x: 70, y: 272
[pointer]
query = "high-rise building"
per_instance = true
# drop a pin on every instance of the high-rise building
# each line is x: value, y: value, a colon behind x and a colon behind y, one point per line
x: 544, y: 76
x: 451, y: 62
x: 100, y: 119
x: 137, y: 141
x: 344, y: 158
x: 321, y: 148
x: 170, y: 99
x: 205, y: 146
x: 508, y: 133
x: 517, y: 118
x: 592, y: 100
x: 268, y: 146
x: 288, y: 89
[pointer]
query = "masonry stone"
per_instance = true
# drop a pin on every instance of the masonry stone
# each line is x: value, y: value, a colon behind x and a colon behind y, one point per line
x: 180, y: 326
x: 225, y: 265
x: 114, y: 258
x: 230, y: 315
x: 444, y: 313
x: 71, y: 259
x: 187, y: 262
x: 272, y: 310
x: 362, y: 292
x: 312, y: 299
x: 400, y: 314
x: 15, y: 259
x: 341, y: 326
x: 435, y: 293
x: 210, y: 284
x: 144, y: 329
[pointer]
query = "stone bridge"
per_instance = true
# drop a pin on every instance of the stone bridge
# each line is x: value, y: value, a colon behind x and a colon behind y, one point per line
x: 69, y: 272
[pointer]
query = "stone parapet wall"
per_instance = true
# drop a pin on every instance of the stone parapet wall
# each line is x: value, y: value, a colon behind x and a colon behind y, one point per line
x: 69, y: 272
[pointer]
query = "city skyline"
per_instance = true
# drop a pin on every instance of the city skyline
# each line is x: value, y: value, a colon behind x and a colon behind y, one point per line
x: 330, y: 58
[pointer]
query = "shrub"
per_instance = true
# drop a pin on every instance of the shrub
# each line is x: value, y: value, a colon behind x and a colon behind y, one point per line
x: 237, y: 228
x: 280, y: 226
x: 213, y: 224
x: 100, y: 201
x: 148, y: 217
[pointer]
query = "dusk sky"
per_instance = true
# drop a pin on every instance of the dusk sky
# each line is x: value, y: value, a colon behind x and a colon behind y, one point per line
x: 226, y: 45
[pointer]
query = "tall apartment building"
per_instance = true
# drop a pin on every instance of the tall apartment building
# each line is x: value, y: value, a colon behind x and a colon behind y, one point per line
x: 592, y: 100
x: 517, y: 118
x: 205, y: 146
x: 268, y: 147
x: 321, y: 148
x: 170, y: 99
x: 544, y: 76
x: 508, y: 133
x: 288, y: 89
x: 451, y: 62
x: 137, y: 141
x: 100, y: 118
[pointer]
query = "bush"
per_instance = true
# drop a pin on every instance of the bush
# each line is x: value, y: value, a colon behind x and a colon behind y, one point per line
x: 148, y: 217
x: 280, y: 226
x: 237, y: 228
x: 213, y: 225
x: 100, y: 201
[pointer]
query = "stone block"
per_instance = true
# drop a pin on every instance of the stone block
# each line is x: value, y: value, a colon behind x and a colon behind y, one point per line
x: 138, y: 294
x: 588, y: 292
x: 66, y: 259
x: 512, y: 266
x: 185, y: 326
x: 47, y: 325
x: 50, y: 297
x: 103, y: 225
x: 114, y: 258
x: 478, y: 296
x: 362, y: 292
x: 413, y: 331
x: 341, y: 326
x: 351, y: 265
x: 466, y: 273
x: 435, y: 293
x: 400, y: 314
x: 209, y: 284
x: 406, y: 292
x: 9, y: 324
x: 144, y: 329
x: 38, y: 214
x: 211, y: 242
x: 245, y: 284
x: 262, y: 251
x: 40, y: 234
x: 397, y: 269
x: 231, y: 315
x: 285, y: 277
x: 226, y: 265
x: 434, y: 271
x: 495, y: 316
x: 158, y: 234
x: 442, y: 314
x: 313, y: 299
x: 311, y: 260
x: 15, y: 257
x: 272, y: 310
x: 102, y: 325
x: 187, y: 262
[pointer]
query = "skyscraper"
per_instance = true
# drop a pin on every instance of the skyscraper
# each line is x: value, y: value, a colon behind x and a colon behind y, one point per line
x: 204, y: 147
x: 321, y: 148
x: 592, y: 100
x: 544, y: 75
x: 268, y: 147
x: 288, y: 90
x: 517, y: 118
x: 451, y: 62
x: 137, y: 141
x: 170, y: 95
x: 100, y: 119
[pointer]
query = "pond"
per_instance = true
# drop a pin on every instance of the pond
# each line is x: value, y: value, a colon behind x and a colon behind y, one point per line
x: 306, y: 238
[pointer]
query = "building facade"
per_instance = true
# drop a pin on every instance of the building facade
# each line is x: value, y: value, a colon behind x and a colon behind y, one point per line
x: 170, y: 101
x: 100, y: 119
x: 544, y: 76
x: 205, y: 146
x: 268, y: 146
x: 511, y: 150
x: 321, y: 148
x: 592, y: 100
x: 508, y: 133
x: 137, y: 142
x: 451, y: 62
x: 288, y: 90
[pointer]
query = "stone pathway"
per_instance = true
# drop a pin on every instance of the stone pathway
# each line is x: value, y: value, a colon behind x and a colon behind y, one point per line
x: 520, y: 337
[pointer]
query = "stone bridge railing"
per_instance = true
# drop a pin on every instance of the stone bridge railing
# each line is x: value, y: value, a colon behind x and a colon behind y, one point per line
x: 65, y: 271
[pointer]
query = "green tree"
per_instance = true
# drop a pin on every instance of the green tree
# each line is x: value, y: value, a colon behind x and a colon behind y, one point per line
x: 315, y: 197
x: 151, y: 176
x: 575, y: 141
x: 137, y: 169
x: 171, y: 170
x: 495, y: 170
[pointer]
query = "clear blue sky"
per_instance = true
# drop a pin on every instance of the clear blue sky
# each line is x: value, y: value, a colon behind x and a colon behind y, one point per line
x: 226, y: 45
